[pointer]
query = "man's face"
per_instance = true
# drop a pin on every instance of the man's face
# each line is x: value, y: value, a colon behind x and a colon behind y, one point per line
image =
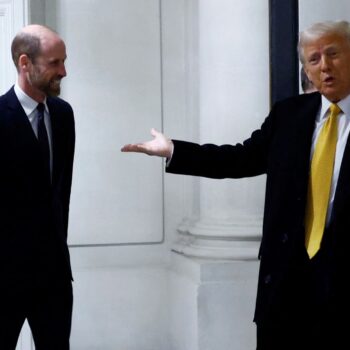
x: 48, y: 69
x: 327, y: 64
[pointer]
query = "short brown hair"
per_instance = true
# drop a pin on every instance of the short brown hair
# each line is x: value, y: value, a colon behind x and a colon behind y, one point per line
x: 25, y: 44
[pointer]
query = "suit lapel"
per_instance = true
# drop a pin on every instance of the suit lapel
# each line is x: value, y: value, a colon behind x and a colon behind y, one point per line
x: 24, y: 135
x: 305, y: 128
x: 342, y: 192
x: 57, y: 137
x: 25, y: 140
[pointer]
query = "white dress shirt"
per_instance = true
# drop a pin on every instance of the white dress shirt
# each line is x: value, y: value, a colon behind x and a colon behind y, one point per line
x: 343, y: 133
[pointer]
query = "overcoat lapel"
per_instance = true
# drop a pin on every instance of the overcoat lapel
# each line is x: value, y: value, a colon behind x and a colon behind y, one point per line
x: 305, y: 128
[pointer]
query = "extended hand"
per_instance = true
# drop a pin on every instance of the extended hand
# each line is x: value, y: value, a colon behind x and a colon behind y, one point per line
x: 160, y: 146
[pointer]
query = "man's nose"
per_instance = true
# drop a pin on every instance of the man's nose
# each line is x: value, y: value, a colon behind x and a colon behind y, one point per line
x: 62, y: 70
x: 325, y: 62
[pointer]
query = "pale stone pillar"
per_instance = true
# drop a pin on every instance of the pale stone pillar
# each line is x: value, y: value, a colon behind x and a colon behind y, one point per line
x: 214, y: 282
x: 212, y: 304
x: 228, y: 98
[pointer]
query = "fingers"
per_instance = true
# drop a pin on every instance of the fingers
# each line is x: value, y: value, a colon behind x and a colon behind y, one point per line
x: 132, y: 148
x: 125, y: 148
x: 158, y: 146
x: 154, y: 132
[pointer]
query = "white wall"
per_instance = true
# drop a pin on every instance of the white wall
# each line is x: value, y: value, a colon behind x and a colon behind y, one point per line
x: 114, y: 85
x: 120, y: 308
x: 311, y: 11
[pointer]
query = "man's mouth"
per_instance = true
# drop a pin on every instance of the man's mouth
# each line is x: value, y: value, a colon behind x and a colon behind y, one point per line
x: 329, y: 80
x: 56, y: 81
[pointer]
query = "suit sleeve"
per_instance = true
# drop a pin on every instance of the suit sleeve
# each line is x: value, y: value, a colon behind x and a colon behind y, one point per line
x: 226, y: 161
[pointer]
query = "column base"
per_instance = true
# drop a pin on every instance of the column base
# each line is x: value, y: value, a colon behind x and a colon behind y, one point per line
x: 233, y: 240
x: 212, y: 304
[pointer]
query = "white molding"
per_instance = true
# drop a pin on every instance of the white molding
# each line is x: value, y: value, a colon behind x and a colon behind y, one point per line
x: 237, y: 239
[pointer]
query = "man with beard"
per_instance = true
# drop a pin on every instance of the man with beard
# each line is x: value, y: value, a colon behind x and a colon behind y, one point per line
x: 37, y: 138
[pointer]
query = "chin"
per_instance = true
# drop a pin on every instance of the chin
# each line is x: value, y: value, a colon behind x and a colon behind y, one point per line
x: 330, y: 95
x: 53, y: 92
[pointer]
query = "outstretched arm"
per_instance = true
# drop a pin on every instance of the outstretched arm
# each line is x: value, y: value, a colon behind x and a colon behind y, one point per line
x: 160, y: 146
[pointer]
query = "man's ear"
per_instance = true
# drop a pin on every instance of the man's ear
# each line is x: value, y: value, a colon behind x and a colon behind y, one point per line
x: 24, y: 62
x: 307, y: 73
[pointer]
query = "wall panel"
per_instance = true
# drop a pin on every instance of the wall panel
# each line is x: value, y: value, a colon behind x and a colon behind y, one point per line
x: 114, y: 84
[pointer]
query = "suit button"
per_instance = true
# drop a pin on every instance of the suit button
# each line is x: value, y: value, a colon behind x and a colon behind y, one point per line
x: 284, y: 238
x: 267, y: 279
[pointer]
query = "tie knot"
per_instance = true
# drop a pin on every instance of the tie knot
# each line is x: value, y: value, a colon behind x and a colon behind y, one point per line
x: 40, y: 107
x: 334, y: 109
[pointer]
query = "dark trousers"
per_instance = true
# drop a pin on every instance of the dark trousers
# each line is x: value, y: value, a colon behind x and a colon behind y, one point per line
x: 305, y: 314
x: 47, y: 306
x: 318, y: 333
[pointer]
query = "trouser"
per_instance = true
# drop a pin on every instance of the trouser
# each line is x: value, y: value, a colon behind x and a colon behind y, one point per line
x: 47, y: 306
x: 305, y: 314
x: 318, y: 333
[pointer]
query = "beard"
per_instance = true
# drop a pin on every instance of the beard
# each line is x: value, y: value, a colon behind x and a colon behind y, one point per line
x: 50, y: 87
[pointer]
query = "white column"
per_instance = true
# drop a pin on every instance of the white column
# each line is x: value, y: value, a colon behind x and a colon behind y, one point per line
x: 228, y: 98
x: 214, y: 282
x: 212, y: 304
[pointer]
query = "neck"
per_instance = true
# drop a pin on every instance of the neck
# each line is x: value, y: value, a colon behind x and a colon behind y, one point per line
x: 32, y: 92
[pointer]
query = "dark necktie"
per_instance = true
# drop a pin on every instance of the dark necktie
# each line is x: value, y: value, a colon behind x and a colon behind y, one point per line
x: 43, y: 141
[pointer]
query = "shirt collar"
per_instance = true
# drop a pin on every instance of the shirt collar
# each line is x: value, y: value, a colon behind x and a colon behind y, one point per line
x: 343, y: 104
x: 28, y: 104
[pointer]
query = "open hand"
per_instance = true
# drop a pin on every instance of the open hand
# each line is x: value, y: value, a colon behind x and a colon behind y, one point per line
x: 160, y: 146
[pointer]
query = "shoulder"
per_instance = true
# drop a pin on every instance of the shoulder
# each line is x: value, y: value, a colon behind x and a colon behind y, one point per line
x: 8, y: 97
x: 297, y: 103
x: 290, y: 112
x: 8, y: 104
x: 59, y: 104
x: 61, y: 110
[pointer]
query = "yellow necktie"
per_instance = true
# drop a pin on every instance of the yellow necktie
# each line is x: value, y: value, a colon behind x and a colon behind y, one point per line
x: 320, y: 182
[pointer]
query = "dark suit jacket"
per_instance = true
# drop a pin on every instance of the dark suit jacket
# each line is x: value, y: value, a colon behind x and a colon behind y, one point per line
x: 34, y: 213
x: 280, y: 149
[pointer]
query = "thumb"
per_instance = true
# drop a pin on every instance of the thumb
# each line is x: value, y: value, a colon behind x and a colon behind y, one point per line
x: 154, y: 132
